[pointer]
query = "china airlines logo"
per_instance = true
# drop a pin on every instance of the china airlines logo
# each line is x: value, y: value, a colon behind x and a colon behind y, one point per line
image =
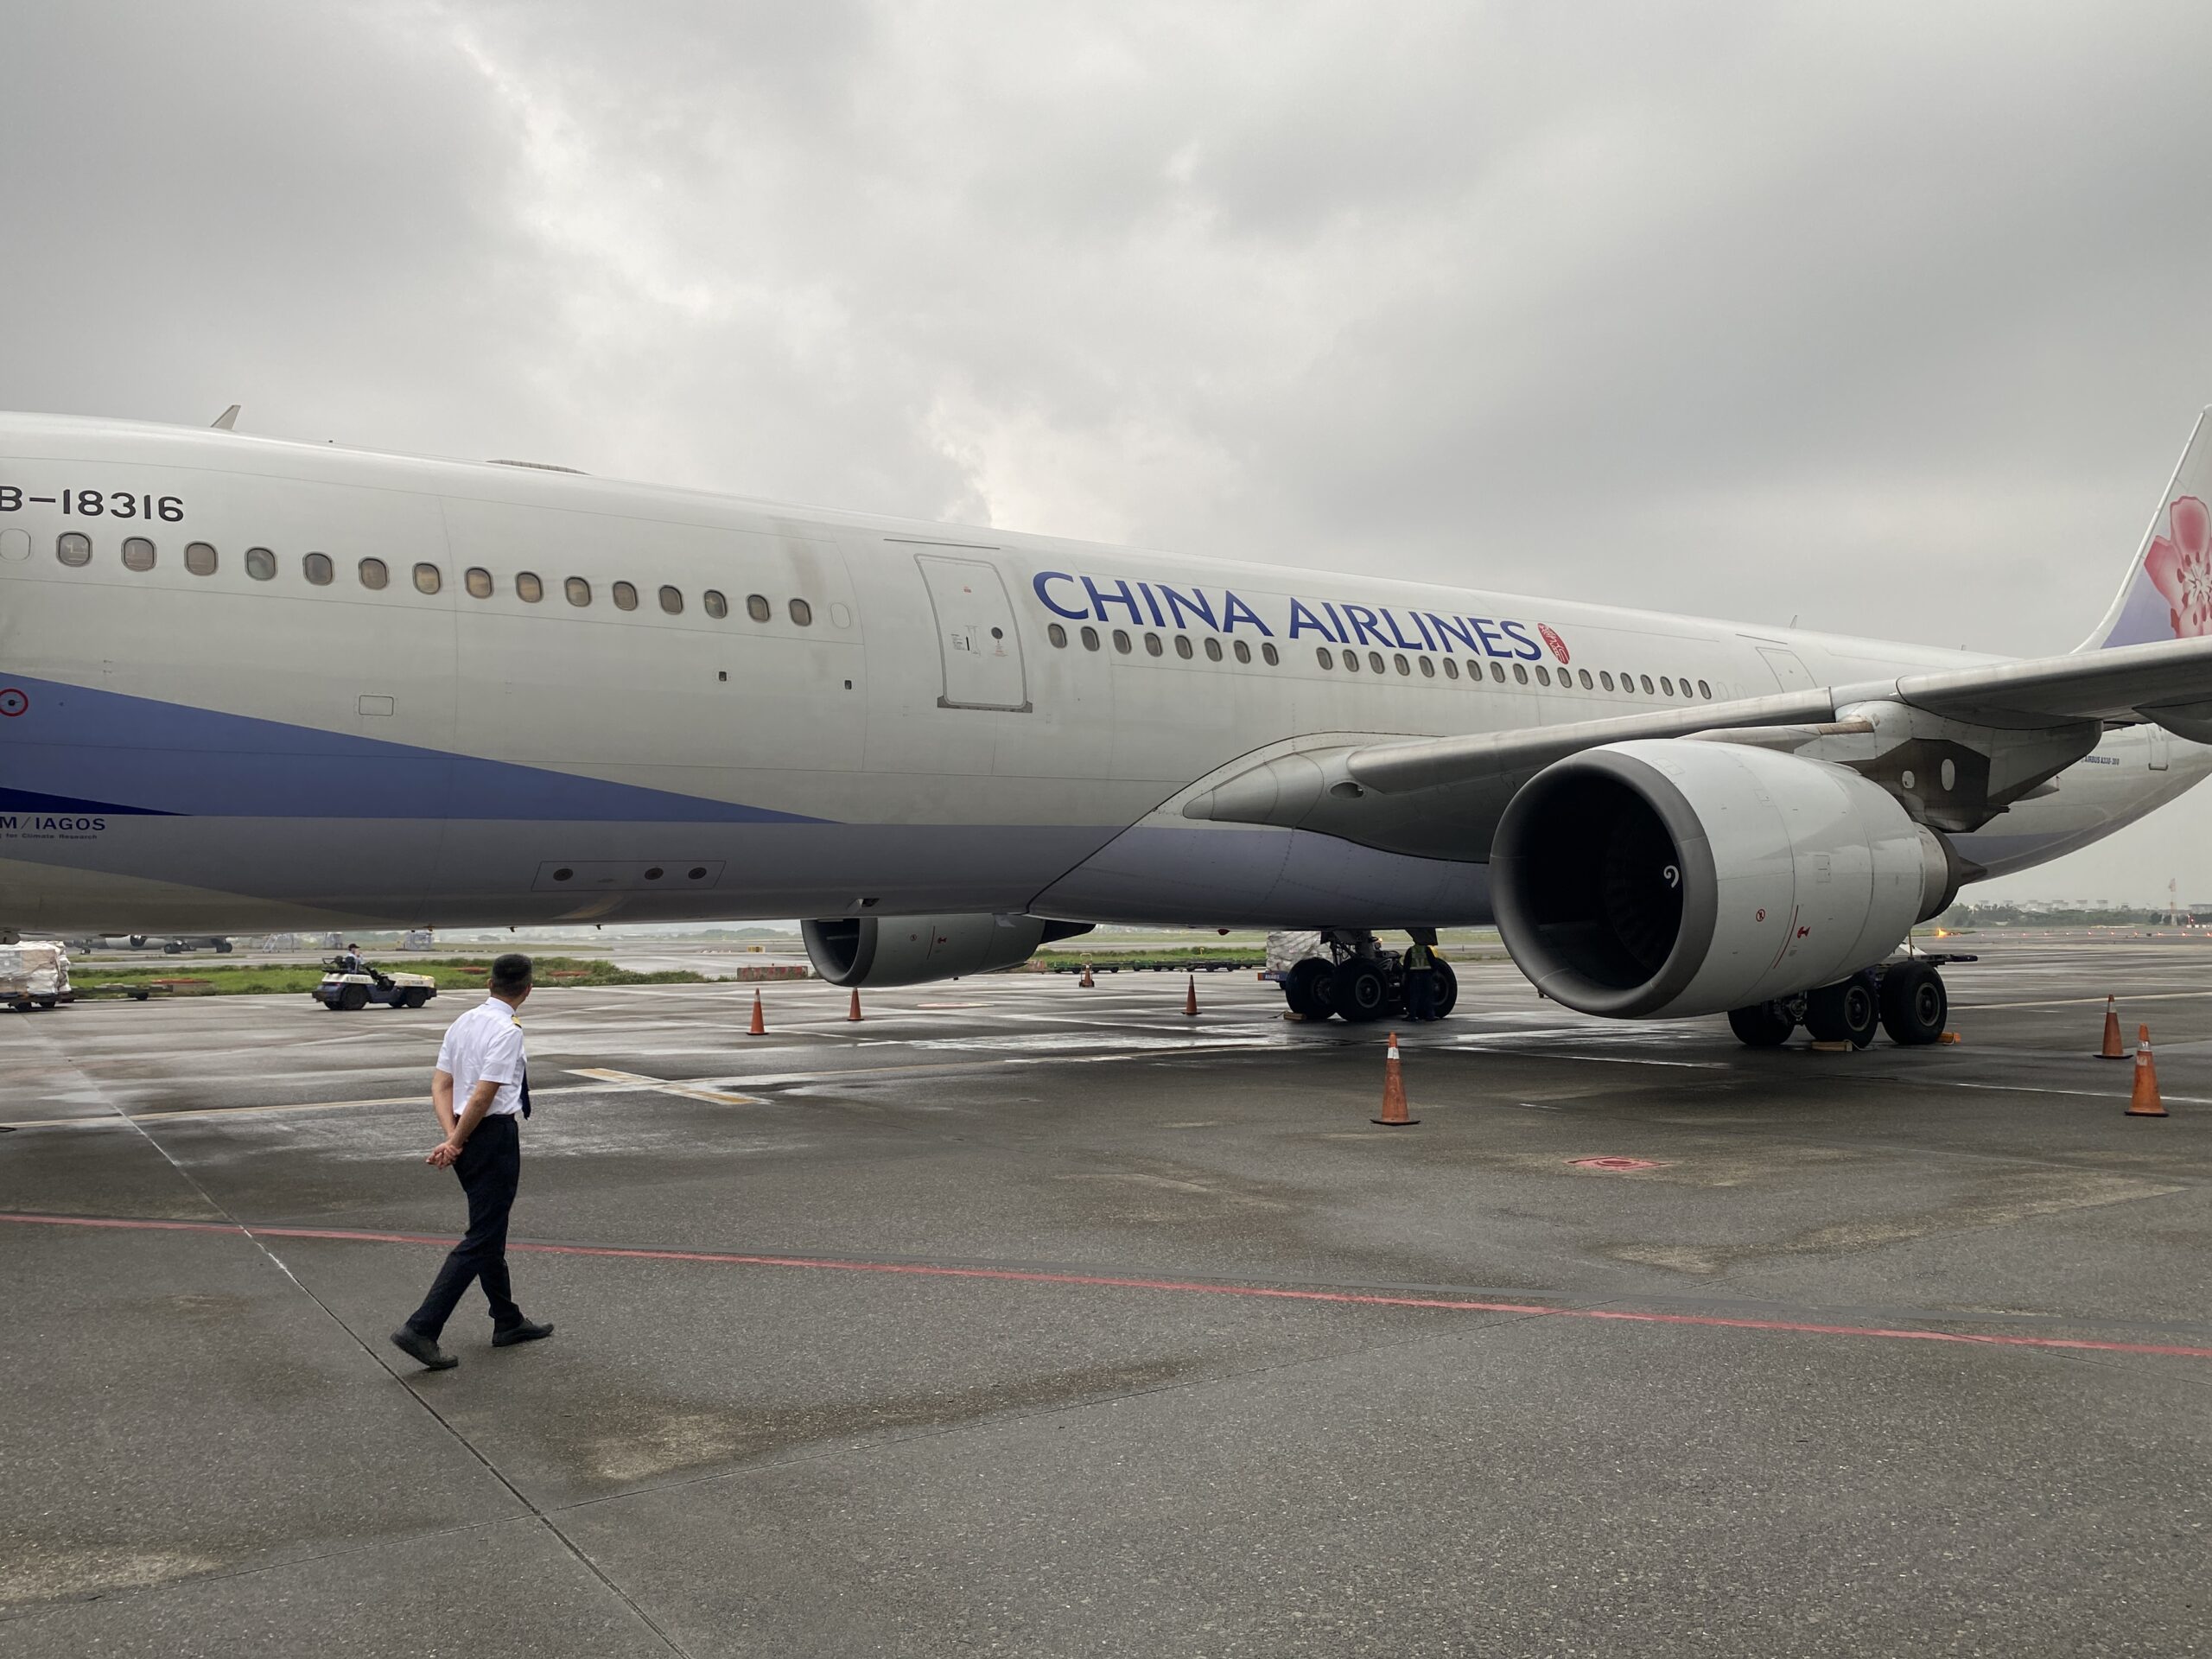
x: 2180, y: 567
x: 1557, y: 644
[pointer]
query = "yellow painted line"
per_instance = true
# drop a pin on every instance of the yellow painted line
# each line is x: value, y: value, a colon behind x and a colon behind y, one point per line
x: 688, y: 1092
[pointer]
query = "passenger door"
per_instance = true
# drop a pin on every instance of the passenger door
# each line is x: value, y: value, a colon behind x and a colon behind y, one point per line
x: 977, y: 643
x: 1792, y: 674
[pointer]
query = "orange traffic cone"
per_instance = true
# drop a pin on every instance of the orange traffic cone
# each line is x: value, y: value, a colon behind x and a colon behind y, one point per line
x: 1191, y: 997
x: 2111, y: 1049
x: 1086, y: 983
x: 759, y: 1026
x: 2145, y: 1102
x: 1394, y: 1092
x: 854, y: 1015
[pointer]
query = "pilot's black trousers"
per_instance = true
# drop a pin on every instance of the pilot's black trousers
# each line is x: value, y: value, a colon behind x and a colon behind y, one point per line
x: 490, y: 1167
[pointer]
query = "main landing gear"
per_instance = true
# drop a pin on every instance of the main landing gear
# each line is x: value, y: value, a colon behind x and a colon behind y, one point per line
x: 1358, y: 980
x: 1906, y: 998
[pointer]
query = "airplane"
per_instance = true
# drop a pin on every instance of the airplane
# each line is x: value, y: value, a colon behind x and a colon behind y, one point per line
x: 248, y: 685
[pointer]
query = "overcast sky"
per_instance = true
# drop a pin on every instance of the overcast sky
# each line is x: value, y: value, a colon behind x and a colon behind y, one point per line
x: 1893, y: 318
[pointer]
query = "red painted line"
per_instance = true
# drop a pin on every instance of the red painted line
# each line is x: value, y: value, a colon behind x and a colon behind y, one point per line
x: 1113, y: 1281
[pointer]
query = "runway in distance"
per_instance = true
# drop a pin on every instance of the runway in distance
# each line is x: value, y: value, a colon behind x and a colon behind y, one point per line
x: 254, y: 684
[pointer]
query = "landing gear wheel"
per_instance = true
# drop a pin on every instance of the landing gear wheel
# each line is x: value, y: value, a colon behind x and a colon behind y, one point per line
x: 353, y: 998
x: 1764, y: 1025
x: 1358, y: 990
x: 1842, y: 1013
x: 1447, y: 989
x: 416, y: 998
x: 1914, y: 1005
x: 1303, y: 988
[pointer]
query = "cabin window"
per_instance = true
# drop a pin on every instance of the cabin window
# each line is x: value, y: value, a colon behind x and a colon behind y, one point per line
x: 199, y: 558
x: 1647, y: 685
x: 1270, y: 655
x: 625, y: 595
x: 318, y: 569
x: 1428, y: 668
x: 1375, y: 661
x: 1183, y: 646
x: 428, y: 579
x: 1705, y: 691
x: 1451, y: 667
x: 1321, y: 656
x: 1213, y: 649
x: 373, y: 573
x: 1543, y: 675
x: 671, y: 602
x: 1153, y: 647
x: 478, y: 581
x: 756, y: 607
x: 714, y: 604
x: 138, y: 554
x: 1586, y: 686
x: 802, y: 612
x: 1666, y: 686
x: 578, y: 591
x: 1401, y: 665
x: 1090, y: 639
x: 260, y: 564
x: 1352, y: 662
x: 1606, y: 679
x: 1682, y: 685
x: 1244, y: 652
x: 528, y: 588
x: 1058, y: 635
x: 1121, y: 641
x: 1520, y: 672
x: 74, y: 548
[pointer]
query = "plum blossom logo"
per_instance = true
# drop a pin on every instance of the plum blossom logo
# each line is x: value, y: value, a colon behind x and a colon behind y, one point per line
x: 1557, y: 644
x: 2180, y: 567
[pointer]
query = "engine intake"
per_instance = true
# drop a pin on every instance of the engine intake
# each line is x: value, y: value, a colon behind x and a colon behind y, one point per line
x: 869, y: 951
x: 1667, y: 877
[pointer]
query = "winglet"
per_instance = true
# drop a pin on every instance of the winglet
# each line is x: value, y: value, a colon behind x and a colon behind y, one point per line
x: 228, y: 421
x: 2168, y: 593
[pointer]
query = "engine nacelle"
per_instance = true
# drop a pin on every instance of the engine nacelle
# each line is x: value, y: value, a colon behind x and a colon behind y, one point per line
x: 876, y: 950
x: 1666, y: 877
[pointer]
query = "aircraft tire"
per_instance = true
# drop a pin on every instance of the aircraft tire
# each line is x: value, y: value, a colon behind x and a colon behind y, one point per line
x: 1359, y: 991
x: 1302, y: 987
x: 1447, y: 989
x: 1914, y: 1005
x: 1763, y: 1025
x: 1843, y: 1012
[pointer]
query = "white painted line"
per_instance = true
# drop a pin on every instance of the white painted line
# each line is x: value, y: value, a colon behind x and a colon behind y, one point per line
x: 686, y: 1090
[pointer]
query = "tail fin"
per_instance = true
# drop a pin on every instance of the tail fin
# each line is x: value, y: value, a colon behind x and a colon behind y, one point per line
x: 2168, y: 593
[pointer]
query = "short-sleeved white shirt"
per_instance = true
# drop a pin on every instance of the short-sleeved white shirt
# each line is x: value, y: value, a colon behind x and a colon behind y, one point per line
x: 485, y: 1044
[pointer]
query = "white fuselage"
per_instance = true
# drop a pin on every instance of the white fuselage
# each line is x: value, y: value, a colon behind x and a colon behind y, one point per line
x: 195, y: 733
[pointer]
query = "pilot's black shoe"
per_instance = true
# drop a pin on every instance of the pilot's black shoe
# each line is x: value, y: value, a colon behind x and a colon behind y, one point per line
x: 528, y: 1331
x: 417, y: 1346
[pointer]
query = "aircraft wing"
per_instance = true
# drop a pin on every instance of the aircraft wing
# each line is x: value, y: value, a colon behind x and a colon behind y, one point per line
x: 2169, y: 682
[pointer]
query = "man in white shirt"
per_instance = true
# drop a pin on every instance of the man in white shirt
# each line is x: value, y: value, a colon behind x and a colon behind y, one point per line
x: 480, y: 1064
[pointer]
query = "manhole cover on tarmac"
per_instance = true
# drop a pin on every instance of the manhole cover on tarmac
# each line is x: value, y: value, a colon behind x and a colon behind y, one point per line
x: 1615, y: 1163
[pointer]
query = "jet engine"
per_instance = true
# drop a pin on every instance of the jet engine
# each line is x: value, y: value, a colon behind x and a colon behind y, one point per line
x: 876, y: 950
x: 1667, y: 877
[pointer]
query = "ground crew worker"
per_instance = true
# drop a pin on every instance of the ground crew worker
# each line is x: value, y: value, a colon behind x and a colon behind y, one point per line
x: 1420, y: 981
x: 481, y: 1091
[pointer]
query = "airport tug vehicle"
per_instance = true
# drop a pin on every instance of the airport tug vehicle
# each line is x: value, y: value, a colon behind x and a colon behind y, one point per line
x: 347, y: 989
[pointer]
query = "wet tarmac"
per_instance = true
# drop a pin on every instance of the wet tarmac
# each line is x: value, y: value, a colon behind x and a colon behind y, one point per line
x: 1024, y: 1319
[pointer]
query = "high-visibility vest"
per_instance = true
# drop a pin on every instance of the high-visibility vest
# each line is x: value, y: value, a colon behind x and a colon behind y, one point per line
x: 1419, y: 958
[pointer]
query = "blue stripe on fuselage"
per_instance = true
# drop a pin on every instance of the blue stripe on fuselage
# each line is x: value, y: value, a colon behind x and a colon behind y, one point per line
x: 147, y: 756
